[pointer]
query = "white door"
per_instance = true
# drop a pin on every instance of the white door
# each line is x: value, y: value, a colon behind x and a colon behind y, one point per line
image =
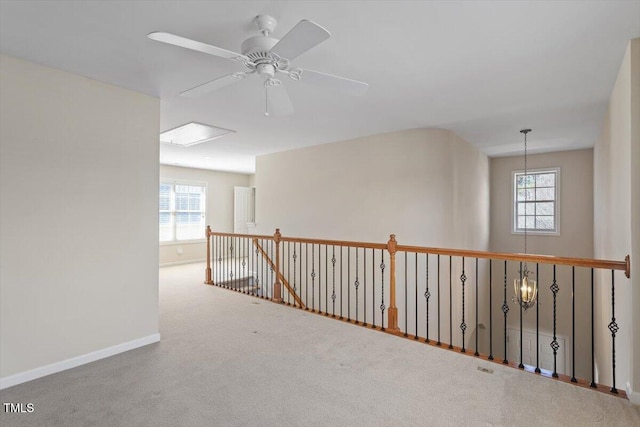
x: 243, y: 209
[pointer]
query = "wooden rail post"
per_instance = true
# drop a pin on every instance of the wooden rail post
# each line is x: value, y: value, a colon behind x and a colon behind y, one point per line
x: 277, y: 286
x: 207, y: 280
x: 393, y: 310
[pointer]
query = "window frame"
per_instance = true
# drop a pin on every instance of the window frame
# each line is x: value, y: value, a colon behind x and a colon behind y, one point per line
x: 557, y: 207
x: 173, y: 211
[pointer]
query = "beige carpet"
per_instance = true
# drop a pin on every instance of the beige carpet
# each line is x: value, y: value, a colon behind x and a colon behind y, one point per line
x: 227, y: 359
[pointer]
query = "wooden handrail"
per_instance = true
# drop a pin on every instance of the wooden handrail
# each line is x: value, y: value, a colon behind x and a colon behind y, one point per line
x: 279, y: 275
x: 533, y: 258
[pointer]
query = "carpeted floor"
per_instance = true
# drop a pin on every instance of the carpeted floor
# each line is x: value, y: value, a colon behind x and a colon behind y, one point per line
x: 227, y: 359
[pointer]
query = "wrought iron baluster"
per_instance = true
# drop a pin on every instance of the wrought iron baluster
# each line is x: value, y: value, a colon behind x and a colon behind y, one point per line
x: 357, y: 285
x: 537, y: 325
x: 521, y: 365
x: 505, y: 310
x: 313, y: 278
x: 593, y: 341
x: 341, y: 276
x: 382, y: 306
x: 554, y: 344
x: 438, y: 343
x: 289, y: 271
x: 573, y: 325
x: 230, y: 263
x: 463, y: 325
x: 416, y: 296
x: 326, y: 280
x: 613, y: 327
x: 364, y: 273
x: 320, y: 278
x: 477, y: 353
x: 406, y: 308
x: 244, y: 270
x: 490, y: 310
x: 427, y: 295
x: 256, y: 267
x: 295, y: 257
x: 450, y: 302
x: 373, y: 287
x: 271, y: 282
x: 306, y: 276
x: 333, y: 293
x: 348, y: 283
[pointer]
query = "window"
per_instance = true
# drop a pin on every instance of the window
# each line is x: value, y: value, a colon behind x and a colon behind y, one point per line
x: 182, y: 211
x: 535, y: 197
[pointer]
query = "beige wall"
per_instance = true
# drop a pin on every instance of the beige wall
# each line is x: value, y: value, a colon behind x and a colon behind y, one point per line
x: 79, y: 185
x: 617, y: 219
x: 575, y: 240
x: 428, y: 186
x: 219, y: 208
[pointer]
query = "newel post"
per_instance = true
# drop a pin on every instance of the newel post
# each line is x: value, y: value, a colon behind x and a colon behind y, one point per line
x: 393, y: 310
x: 207, y: 280
x: 277, y: 286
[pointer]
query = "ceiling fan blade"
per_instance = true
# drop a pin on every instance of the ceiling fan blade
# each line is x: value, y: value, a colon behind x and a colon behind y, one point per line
x: 330, y: 81
x: 299, y: 39
x: 195, y: 45
x: 214, y: 84
x: 278, y: 101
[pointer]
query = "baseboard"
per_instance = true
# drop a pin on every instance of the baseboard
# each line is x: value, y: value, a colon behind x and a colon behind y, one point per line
x: 633, y: 396
x: 73, y: 362
x: 187, y: 261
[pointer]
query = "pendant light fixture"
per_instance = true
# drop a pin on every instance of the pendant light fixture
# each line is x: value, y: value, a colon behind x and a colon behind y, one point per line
x: 525, y: 287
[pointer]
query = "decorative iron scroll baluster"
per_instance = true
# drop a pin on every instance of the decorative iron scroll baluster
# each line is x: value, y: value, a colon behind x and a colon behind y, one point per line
x: 416, y: 292
x: 333, y: 267
x: 341, y: 275
x: 521, y: 365
x: 554, y: 344
x: 295, y: 257
x: 593, y: 341
x: 490, y: 309
x: 439, y: 342
x: 427, y: 295
x: 573, y: 325
x: 450, y: 302
x: 357, y: 285
x: 463, y: 326
x: 505, y: 310
x: 382, y: 307
x: 613, y: 327
x: 406, y: 308
x: 313, y: 278
x: 537, y: 325
x: 476, y: 352
x: 244, y: 272
x: 219, y: 250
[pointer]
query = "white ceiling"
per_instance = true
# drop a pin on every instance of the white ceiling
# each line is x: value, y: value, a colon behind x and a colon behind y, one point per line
x: 484, y: 69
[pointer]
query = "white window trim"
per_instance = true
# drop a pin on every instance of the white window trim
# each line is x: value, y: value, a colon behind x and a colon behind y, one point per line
x: 206, y: 211
x: 558, y: 209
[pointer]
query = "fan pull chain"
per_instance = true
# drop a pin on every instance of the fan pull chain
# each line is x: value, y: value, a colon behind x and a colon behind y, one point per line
x: 266, y: 100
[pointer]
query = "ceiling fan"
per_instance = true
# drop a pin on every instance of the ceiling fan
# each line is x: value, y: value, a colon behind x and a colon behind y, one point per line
x: 268, y: 58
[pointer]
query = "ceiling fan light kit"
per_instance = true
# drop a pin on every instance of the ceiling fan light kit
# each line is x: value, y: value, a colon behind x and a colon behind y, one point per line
x: 268, y: 57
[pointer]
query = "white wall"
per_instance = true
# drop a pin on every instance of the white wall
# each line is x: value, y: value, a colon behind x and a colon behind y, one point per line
x: 79, y: 226
x: 575, y: 240
x: 617, y: 219
x: 219, y: 208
